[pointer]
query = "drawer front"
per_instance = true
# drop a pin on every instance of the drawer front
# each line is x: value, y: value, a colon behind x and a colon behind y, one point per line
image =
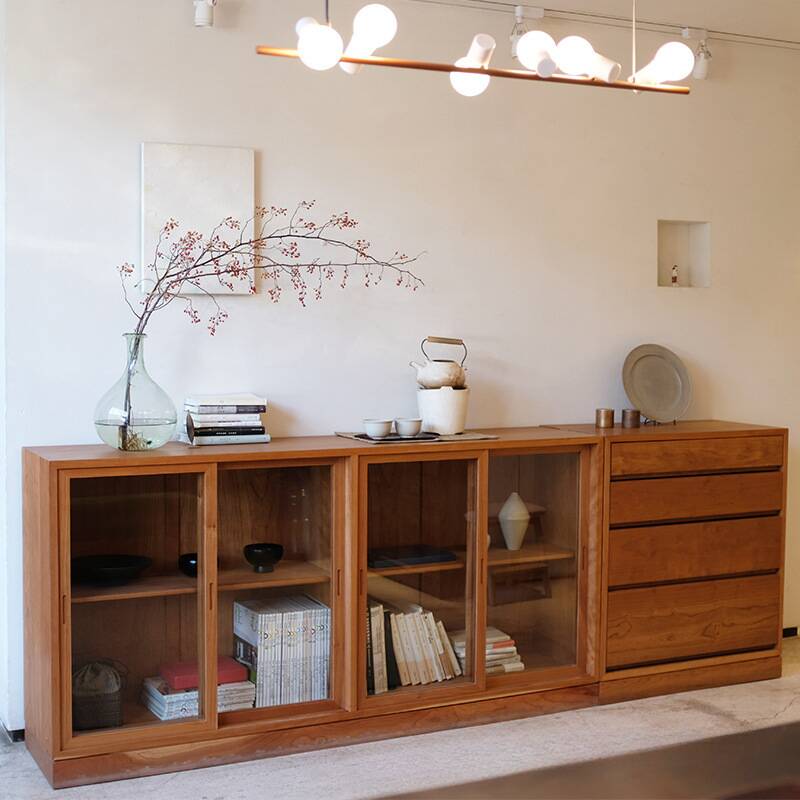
x: 702, y: 496
x: 696, y: 455
x: 670, y: 623
x: 694, y: 550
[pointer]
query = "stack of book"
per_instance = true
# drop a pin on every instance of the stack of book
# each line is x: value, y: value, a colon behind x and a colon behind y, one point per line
x: 174, y: 692
x: 285, y: 644
x: 501, y: 651
x: 225, y: 419
x: 406, y: 647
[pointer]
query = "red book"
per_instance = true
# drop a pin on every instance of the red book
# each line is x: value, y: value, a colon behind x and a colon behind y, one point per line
x: 185, y: 675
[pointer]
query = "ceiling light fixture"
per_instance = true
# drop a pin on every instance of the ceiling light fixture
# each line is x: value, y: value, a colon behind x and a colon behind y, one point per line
x: 204, y: 13
x: 320, y: 47
x: 471, y: 84
x: 702, y: 61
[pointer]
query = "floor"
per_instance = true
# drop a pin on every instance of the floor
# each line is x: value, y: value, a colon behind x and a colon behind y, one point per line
x: 417, y: 763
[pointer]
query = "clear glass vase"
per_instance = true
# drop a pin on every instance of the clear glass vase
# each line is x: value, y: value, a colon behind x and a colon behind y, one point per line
x: 135, y: 413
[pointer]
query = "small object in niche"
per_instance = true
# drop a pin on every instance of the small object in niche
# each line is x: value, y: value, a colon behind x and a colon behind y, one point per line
x: 407, y: 427
x: 604, y: 418
x: 674, y: 281
x: 631, y: 418
x: 187, y: 564
x: 108, y: 570
x: 378, y: 428
x: 263, y: 556
x: 406, y: 555
x: 97, y: 695
x: 439, y: 372
x: 514, y: 519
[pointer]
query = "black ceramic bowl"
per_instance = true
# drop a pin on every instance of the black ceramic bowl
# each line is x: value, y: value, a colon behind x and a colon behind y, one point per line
x: 263, y: 555
x: 108, y: 570
x: 187, y: 564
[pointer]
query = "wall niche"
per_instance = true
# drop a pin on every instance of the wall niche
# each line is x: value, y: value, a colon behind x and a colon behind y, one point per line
x: 687, y: 246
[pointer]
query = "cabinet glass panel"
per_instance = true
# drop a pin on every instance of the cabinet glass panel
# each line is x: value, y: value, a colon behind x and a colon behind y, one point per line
x: 275, y: 608
x: 420, y: 572
x: 136, y: 620
x: 532, y: 567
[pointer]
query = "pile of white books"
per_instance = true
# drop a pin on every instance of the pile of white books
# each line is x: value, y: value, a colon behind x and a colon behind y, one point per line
x: 501, y: 651
x: 406, y: 647
x: 285, y: 643
x: 167, y: 703
x: 224, y: 419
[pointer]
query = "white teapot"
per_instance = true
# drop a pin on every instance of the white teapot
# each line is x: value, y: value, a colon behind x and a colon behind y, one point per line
x: 439, y: 372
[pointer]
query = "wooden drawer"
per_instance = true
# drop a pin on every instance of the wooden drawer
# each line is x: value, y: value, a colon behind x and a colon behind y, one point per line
x: 696, y: 455
x: 694, y: 550
x: 701, y: 496
x: 688, y: 620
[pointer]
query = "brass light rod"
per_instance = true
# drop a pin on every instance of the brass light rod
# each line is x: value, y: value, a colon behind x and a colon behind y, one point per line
x: 518, y: 74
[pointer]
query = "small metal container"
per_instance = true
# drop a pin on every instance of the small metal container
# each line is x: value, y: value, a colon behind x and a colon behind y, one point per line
x: 604, y: 418
x: 631, y: 418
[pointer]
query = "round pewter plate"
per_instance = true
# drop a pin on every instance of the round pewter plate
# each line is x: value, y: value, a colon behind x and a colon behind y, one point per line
x: 657, y: 383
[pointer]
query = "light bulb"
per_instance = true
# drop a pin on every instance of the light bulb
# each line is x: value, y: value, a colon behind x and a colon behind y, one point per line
x: 574, y: 55
x: 480, y: 52
x: 673, y: 61
x: 375, y: 25
x: 319, y: 46
x: 536, y: 51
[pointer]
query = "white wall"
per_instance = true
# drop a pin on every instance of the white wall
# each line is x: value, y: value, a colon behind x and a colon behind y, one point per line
x: 536, y: 206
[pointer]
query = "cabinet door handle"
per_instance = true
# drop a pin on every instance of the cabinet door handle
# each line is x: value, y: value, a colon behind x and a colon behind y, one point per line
x: 63, y: 609
x: 211, y: 596
x: 338, y: 583
x: 361, y: 581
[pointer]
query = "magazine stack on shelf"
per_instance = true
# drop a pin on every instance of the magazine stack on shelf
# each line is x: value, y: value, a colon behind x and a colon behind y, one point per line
x: 285, y: 644
x: 501, y: 651
x: 225, y: 419
x: 174, y: 692
x: 406, y: 647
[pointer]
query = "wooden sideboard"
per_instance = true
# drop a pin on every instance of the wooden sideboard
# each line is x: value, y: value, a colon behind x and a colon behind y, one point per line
x: 655, y: 565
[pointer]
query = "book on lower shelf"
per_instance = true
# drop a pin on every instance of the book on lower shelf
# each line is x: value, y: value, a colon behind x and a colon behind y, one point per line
x: 406, y: 647
x: 285, y: 644
x: 501, y: 654
x: 168, y: 704
x: 224, y: 419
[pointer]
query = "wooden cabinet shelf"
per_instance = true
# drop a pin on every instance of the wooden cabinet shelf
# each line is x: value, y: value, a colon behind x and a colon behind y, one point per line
x: 154, y: 586
x: 418, y: 569
x: 539, y: 552
x: 287, y: 573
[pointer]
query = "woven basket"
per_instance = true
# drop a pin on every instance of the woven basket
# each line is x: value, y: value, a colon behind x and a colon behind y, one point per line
x: 97, y: 695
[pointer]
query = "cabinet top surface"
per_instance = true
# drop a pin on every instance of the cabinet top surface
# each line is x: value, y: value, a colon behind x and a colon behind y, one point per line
x: 687, y: 429
x: 100, y: 455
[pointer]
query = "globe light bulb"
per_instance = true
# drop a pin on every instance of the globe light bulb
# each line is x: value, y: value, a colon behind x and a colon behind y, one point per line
x: 536, y: 51
x: 574, y: 55
x: 480, y: 53
x: 374, y: 26
x: 673, y: 61
x: 319, y: 46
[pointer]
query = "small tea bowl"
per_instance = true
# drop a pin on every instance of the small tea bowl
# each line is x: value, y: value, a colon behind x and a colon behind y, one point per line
x: 378, y: 428
x: 187, y: 564
x: 263, y: 555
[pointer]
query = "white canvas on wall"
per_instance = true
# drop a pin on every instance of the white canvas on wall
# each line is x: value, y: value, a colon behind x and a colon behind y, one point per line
x: 198, y: 186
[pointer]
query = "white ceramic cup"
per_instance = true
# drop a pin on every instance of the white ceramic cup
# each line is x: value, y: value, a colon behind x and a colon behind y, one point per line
x: 408, y: 427
x: 378, y: 428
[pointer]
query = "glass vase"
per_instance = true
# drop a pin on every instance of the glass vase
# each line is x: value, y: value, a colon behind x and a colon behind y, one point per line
x: 135, y: 413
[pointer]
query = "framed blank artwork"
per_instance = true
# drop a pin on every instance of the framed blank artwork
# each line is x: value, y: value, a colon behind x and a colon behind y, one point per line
x: 198, y: 186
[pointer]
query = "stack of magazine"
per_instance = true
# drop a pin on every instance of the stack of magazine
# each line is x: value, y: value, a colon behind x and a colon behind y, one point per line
x: 224, y: 419
x: 285, y: 644
x: 501, y: 651
x: 406, y: 647
x: 167, y: 703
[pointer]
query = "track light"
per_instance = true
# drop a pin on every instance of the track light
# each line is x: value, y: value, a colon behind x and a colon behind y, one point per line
x: 673, y: 61
x: 374, y: 26
x: 576, y: 56
x: 204, y: 13
x: 702, y: 61
x: 536, y: 51
x: 319, y: 46
x: 480, y: 53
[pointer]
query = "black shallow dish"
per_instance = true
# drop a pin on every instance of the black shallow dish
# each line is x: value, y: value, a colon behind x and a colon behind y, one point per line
x: 187, y: 564
x: 263, y: 556
x: 108, y: 570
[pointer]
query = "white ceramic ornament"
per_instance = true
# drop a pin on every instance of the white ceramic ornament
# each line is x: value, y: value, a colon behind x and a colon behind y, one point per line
x: 514, y: 519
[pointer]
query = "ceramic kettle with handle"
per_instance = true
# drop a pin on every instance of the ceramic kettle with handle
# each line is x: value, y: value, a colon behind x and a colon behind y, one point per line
x: 439, y: 372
